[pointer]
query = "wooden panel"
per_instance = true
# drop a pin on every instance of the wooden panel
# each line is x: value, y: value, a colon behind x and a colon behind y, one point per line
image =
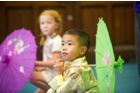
x: 87, y: 16
x: 123, y: 24
x: 2, y: 24
x: 123, y: 31
x: 119, y: 17
x: 89, y: 19
x: 18, y: 17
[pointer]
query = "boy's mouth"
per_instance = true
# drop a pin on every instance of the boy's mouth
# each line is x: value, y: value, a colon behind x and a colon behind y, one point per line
x: 64, y: 53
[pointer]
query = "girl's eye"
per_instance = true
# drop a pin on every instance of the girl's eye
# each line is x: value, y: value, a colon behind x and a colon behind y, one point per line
x: 49, y: 22
x: 41, y: 22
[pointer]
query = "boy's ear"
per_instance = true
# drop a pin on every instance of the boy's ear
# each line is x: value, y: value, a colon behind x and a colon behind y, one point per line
x: 83, y: 50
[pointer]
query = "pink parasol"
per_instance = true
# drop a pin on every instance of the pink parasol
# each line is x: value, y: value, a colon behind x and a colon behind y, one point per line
x: 17, y: 57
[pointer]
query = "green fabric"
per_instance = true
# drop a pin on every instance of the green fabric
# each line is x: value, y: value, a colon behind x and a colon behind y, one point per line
x: 118, y: 64
x: 105, y: 61
x: 89, y: 80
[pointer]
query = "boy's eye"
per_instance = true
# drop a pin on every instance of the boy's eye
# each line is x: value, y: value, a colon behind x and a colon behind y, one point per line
x: 69, y: 43
x: 62, y: 44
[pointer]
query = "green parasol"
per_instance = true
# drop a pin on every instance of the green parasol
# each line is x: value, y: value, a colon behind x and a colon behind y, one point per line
x: 105, y: 61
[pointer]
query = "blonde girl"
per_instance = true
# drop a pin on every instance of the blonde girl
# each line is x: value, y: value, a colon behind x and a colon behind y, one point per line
x: 50, y: 23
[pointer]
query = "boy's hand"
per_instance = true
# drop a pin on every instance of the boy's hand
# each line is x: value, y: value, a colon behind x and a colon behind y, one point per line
x: 59, y: 66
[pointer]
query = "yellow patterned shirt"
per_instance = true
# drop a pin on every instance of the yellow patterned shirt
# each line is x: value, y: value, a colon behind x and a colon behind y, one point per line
x: 76, y: 79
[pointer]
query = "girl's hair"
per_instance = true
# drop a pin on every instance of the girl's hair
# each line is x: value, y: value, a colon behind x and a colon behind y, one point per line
x: 83, y: 37
x: 57, y: 18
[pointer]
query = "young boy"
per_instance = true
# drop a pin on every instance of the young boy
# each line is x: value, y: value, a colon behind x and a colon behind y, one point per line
x: 73, y: 76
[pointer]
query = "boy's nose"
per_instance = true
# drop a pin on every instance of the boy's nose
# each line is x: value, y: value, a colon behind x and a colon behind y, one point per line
x: 64, y: 48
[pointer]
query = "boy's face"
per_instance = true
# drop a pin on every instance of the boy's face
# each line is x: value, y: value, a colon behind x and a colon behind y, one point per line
x: 71, y: 48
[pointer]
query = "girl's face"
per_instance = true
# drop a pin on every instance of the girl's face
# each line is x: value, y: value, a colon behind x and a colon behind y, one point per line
x: 71, y: 48
x: 48, y: 25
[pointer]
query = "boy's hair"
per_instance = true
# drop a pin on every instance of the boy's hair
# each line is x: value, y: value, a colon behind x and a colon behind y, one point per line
x: 57, y: 18
x: 83, y: 37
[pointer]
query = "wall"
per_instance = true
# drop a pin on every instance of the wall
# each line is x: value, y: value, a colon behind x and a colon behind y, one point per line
x: 118, y: 15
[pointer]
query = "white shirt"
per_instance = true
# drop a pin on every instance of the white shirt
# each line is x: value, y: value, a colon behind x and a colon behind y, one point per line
x: 51, y: 45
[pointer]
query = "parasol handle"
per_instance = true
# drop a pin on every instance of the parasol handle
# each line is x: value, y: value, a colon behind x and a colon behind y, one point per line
x: 5, y: 59
x: 91, y: 65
